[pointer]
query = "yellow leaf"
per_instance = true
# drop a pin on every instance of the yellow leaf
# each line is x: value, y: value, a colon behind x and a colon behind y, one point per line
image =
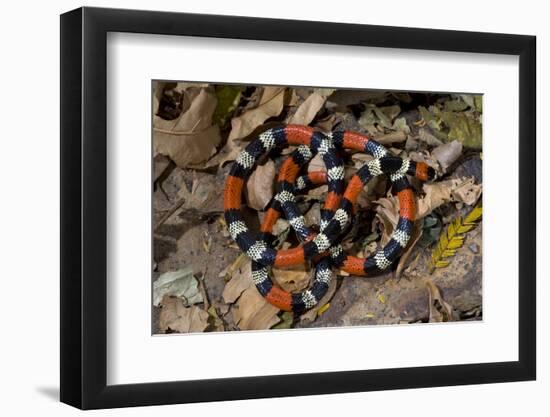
x: 455, y: 243
x: 474, y: 215
x: 323, y: 309
x: 465, y: 228
x: 453, y: 238
x: 381, y: 298
x: 448, y: 253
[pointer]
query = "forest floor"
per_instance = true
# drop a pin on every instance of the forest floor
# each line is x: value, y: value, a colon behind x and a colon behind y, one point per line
x: 202, y: 282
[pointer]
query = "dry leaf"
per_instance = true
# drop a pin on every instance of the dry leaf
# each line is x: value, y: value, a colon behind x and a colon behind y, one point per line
x: 316, y: 164
x: 447, y: 154
x: 260, y: 186
x: 425, y: 136
x: 458, y: 189
x: 440, y: 310
x: 180, y: 284
x: 436, y: 194
x: 327, y: 123
x: 176, y: 317
x: 317, y: 192
x: 240, y: 281
x: 467, y: 192
x: 313, y: 215
x: 253, y: 312
x: 308, y: 109
x: 295, y: 278
x: 393, y: 137
x: 190, y: 139
x: 387, y: 213
x: 270, y: 105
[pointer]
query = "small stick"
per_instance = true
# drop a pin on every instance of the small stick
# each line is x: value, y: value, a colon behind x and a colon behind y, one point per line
x: 169, y: 213
x: 202, y: 289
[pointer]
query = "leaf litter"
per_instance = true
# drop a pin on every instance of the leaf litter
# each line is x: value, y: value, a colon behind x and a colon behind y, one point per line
x: 203, y: 283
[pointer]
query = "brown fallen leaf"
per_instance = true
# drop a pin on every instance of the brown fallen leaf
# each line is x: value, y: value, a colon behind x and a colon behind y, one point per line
x: 295, y: 278
x: 440, y: 310
x: 447, y: 154
x: 174, y: 316
x: 425, y: 136
x: 313, y: 215
x: 327, y: 123
x: 344, y: 98
x: 316, y: 164
x: 191, y: 138
x: 393, y: 137
x: 467, y: 192
x: 260, y: 186
x: 180, y: 283
x: 241, y: 280
x: 436, y: 194
x: 253, y: 312
x: 387, y: 214
x: 310, y: 107
x: 462, y: 190
x: 270, y: 104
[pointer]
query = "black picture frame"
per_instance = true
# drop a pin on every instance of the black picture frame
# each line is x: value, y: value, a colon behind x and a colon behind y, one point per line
x: 84, y: 207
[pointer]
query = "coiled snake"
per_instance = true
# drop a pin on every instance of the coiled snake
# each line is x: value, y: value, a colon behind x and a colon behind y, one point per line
x: 323, y: 248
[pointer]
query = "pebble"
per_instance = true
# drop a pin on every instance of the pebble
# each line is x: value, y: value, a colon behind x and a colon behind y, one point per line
x: 474, y: 248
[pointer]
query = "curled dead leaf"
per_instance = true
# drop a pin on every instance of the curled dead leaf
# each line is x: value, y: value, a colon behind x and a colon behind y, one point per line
x: 180, y: 283
x: 447, y: 154
x: 425, y: 136
x: 260, y: 186
x: 387, y: 214
x: 467, y: 192
x: 253, y: 312
x: 393, y: 137
x: 270, y: 104
x: 191, y: 138
x: 240, y: 280
x: 440, y: 310
x: 174, y: 316
x: 463, y: 190
x: 295, y: 278
x: 310, y: 107
x: 316, y: 164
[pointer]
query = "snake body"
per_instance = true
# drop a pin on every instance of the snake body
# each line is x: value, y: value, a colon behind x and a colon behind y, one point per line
x: 322, y: 248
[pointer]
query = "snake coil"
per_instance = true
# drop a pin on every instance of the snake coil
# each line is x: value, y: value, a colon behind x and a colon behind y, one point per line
x: 322, y: 248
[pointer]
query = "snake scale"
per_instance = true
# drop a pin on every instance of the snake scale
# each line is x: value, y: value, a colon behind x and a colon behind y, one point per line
x: 323, y: 248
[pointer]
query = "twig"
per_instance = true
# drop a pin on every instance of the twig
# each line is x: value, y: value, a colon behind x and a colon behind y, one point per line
x: 202, y: 289
x: 169, y: 213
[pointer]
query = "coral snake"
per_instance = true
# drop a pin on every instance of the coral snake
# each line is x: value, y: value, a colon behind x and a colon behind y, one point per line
x: 323, y: 248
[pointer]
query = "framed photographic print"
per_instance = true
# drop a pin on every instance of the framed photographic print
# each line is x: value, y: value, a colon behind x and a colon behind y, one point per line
x: 257, y: 208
